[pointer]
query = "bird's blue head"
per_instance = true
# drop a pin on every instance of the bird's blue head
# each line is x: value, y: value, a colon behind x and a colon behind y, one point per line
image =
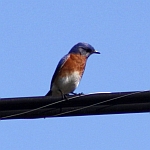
x: 84, y: 49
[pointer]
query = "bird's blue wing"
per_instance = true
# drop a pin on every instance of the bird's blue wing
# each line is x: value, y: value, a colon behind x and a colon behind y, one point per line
x: 59, y: 66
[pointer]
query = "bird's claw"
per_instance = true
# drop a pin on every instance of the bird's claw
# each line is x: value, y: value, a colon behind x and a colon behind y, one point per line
x: 77, y: 94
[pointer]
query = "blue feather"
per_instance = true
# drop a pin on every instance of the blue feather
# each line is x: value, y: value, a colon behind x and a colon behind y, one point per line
x: 60, y: 64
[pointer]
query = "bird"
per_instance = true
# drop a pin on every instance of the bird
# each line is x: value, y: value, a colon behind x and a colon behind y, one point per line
x: 70, y: 69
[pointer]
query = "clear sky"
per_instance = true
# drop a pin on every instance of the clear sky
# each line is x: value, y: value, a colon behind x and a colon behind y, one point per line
x: 35, y: 34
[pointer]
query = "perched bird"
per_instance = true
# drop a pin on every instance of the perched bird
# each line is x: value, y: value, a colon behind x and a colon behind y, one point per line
x: 70, y: 69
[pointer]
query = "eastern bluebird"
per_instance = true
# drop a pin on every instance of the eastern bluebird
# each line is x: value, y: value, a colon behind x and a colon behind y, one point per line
x: 70, y: 69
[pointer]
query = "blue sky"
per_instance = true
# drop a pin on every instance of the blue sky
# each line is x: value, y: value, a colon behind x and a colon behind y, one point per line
x: 36, y: 34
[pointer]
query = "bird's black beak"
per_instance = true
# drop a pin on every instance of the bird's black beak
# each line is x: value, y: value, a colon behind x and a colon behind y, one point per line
x: 96, y: 52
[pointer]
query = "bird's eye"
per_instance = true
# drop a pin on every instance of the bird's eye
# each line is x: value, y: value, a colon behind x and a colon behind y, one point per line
x: 88, y: 50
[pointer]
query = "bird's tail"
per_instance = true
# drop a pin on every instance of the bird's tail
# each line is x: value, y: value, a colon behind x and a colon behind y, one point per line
x: 49, y: 93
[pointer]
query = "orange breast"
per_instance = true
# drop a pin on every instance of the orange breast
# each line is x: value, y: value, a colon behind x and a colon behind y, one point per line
x: 75, y: 62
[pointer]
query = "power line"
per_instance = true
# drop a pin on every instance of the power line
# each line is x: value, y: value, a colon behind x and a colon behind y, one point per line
x: 99, y: 103
x: 91, y: 104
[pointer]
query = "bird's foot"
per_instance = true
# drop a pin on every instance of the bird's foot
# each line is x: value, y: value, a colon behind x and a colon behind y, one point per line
x: 65, y: 96
x: 77, y: 94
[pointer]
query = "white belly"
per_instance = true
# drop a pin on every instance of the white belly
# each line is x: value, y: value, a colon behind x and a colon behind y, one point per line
x: 66, y: 84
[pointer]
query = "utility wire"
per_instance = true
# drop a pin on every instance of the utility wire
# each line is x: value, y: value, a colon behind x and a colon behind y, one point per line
x: 32, y: 110
x: 99, y: 103
x: 67, y: 112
